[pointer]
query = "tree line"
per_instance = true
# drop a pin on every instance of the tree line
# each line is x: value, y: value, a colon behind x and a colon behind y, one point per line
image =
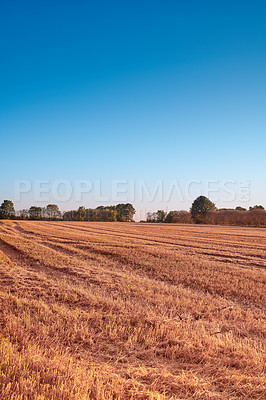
x: 121, y: 212
x: 204, y: 211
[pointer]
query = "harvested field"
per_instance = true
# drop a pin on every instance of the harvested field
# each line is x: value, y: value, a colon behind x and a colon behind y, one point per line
x: 131, y: 311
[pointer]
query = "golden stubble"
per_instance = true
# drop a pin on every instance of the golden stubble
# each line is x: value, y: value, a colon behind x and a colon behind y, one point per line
x: 131, y: 311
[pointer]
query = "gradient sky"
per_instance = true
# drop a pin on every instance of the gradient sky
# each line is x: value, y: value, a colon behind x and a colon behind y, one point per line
x: 137, y: 91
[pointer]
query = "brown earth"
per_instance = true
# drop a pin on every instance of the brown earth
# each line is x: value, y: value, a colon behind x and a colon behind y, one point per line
x: 131, y: 311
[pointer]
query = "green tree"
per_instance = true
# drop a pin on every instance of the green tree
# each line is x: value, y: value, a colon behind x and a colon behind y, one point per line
x: 199, y: 209
x: 92, y: 214
x: 256, y: 208
x: 160, y: 216
x: 52, y: 211
x: 151, y: 217
x: 125, y: 212
x: 70, y: 215
x: 113, y: 215
x: 82, y: 214
x: 7, y: 210
x: 106, y: 214
x: 169, y: 216
x: 239, y: 208
x: 35, y: 212
x: 24, y: 214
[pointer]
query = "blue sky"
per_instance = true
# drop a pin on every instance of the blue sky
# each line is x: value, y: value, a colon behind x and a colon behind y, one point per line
x: 143, y: 91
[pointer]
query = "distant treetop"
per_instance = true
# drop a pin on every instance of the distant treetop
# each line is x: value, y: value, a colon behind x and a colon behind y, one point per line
x: 199, y: 209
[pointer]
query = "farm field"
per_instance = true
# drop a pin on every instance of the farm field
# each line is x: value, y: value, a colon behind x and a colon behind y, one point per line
x: 131, y: 311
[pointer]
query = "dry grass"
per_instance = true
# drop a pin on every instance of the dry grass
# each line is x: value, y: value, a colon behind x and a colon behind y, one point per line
x: 131, y: 311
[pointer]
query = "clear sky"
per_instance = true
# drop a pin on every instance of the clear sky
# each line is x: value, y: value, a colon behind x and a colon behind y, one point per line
x: 150, y: 92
